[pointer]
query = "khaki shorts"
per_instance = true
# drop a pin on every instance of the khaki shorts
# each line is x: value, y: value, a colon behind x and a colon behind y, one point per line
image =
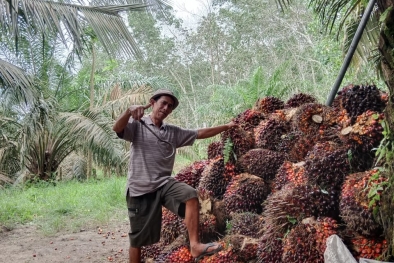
x: 145, y: 211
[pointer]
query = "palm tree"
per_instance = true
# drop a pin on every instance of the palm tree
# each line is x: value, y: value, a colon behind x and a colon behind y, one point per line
x: 31, y: 69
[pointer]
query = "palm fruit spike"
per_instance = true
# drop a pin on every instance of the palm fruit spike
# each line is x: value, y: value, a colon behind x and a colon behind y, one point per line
x: 151, y: 252
x: 296, y: 146
x: 226, y: 255
x: 299, y: 99
x: 245, y: 193
x: 268, y: 133
x: 245, y: 224
x: 288, y: 172
x: 269, y: 104
x: 260, y: 162
x: 171, y: 226
x: 357, y: 99
x: 214, y: 150
x: 191, y: 174
x: 245, y: 247
x: 298, y: 202
x: 356, y: 208
x: 219, y: 211
x: 270, y: 247
x: 304, y: 119
x: 241, y: 140
x: 306, y: 241
x: 249, y: 119
x: 367, y: 247
x: 323, y: 156
x: 180, y: 255
x: 213, y: 180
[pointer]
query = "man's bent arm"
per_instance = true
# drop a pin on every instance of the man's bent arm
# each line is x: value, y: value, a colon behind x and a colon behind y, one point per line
x: 122, y: 121
x: 210, y: 132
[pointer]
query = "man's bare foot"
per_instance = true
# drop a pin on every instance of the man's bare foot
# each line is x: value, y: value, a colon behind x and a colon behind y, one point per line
x: 200, y: 250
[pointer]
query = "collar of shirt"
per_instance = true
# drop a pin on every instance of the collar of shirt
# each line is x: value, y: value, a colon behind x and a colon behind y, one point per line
x: 149, y: 121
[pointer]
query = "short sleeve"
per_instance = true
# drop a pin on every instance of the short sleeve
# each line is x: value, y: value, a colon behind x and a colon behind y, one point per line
x: 129, y: 131
x: 185, y: 137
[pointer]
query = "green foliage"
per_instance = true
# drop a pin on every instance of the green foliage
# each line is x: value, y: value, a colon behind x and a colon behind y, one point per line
x: 68, y: 206
x: 385, y: 151
x: 228, y: 150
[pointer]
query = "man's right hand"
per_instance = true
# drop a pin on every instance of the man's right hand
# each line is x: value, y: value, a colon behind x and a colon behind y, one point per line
x: 137, y: 111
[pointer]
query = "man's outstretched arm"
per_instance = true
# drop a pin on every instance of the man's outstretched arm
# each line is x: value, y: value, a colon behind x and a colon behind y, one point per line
x: 212, y: 131
x: 135, y: 111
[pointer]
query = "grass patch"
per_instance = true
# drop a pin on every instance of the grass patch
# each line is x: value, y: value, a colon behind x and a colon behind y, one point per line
x: 68, y: 206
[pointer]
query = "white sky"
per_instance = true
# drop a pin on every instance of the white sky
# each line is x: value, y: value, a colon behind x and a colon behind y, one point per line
x: 190, y: 11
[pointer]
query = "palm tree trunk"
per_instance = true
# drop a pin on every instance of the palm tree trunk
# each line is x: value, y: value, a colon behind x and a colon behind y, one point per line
x: 90, y: 157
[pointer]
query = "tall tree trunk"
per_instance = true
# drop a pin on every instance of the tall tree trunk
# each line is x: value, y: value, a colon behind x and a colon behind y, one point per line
x: 386, y: 49
x: 90, y: 157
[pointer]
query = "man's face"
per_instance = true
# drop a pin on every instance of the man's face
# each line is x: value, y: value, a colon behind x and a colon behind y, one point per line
x: 162, y: 107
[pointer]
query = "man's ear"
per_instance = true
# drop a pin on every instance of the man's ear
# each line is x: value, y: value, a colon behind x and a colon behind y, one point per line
x: 152, y: 101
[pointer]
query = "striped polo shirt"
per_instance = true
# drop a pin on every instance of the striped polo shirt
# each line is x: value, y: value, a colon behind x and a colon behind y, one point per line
x: 148, y: 166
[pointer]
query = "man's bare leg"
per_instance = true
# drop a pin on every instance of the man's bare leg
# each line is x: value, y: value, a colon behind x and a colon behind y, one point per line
x: 134, y: 255
x: 192, y: 222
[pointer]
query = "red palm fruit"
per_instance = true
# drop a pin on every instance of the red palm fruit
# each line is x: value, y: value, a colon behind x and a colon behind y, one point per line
x: 299, y: 99
x: 151, y: 252
x: 357, y: 204
x: 227, y: 255
x: 270, y: 246
x: 245, y: 193
x: 367, y: 247
x: 304, y: 119
x: 177, y: 251
x: 269, y: 104
x: 326, y: 165
x: 191, y: 174
x: 306, y: 241
x: 214, y: 150
x: 207, y: 228
x: 357, y: 99
x: 288, y: 172
x: 213, y: 180
x: 260, y: 162
x: 180, y: 255
x: 241, y: 140
x: 245, y: 224
x: 249, y: 119
x: 171, y: 226
x: 268, y: 134
x: 297, y: 145
x: 245, y: 247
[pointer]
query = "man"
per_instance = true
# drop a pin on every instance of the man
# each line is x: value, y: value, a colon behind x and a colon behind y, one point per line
x: 149, y: 184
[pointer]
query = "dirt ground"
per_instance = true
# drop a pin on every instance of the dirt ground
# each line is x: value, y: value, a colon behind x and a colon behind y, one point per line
x: 101, y: 244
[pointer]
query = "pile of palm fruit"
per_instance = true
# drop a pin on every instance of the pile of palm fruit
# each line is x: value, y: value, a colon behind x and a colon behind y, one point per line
x: 288, y: 176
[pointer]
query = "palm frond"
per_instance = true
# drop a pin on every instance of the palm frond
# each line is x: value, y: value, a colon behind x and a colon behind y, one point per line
x: 4, y: 178
x: 15, y: 83
x: 67, y: 20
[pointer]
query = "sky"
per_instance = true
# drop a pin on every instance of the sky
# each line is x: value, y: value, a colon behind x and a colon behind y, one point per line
x: 190, y: 11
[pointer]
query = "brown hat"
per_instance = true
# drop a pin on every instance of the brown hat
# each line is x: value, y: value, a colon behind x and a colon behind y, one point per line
x: 166, y: 92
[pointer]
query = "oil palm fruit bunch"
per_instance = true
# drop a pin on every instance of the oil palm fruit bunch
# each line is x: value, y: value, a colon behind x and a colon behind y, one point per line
x: 306, y: 242
x: 244, y: 247
x: 289, y: 172
x: 245, y: 193
x: 268, y: 133
x: 365, y: 132
x: 214, y: 150
x: 270, y: 246
x: 212, y: 179
x: 359, y: 198
x: 308, y: 118
x: 326, y: 155
x: 269, y: 104
x: 227, y: 255
x: 178, y: 251
x: 357, y: 99
x: 151, y: 251
x: 222, y: 217
x: 241, y: 141
x: 260, y: 162
x: 299, y: 99
x: 366, y: 247
x: 245, y: 224
x: 191, y: 174
x: 171, y: 226
x: 208, y: 228
x: 249, y: 119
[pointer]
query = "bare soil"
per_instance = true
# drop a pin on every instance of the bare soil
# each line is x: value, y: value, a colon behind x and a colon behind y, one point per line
x: 101, y: 244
